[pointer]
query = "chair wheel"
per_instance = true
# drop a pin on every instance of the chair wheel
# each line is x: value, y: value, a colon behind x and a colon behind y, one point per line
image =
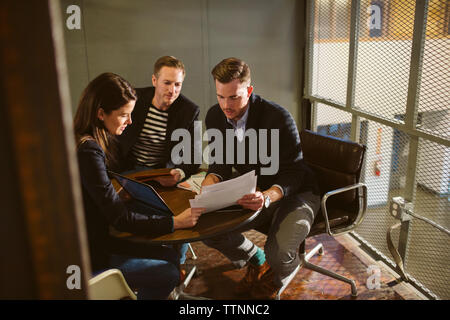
x: 321, y: 251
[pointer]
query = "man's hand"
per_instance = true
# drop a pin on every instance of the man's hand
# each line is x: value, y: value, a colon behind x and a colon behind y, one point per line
x: 255, y: 201
x: 209, y: 180
x: 252, y: 201
x: 169, y: 181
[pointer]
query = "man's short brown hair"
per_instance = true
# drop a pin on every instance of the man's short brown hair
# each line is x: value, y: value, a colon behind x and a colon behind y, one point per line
x: 230, y: 69
x: 167, y: 61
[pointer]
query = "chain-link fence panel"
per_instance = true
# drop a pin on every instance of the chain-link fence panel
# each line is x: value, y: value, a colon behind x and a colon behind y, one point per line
x: 384, y: 54
x: 433, y: 182
x: 330, y: 49
x: 332, y: 122
x: 434, y: 93
x: 428, y: 256
x: 384, y: 173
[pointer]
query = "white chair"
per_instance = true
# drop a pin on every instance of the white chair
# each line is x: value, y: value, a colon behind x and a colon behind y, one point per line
x: 110, y: 285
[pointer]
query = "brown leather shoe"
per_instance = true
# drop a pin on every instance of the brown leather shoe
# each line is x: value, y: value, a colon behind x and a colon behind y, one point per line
x: 266, y: 289
x: 251, y: 278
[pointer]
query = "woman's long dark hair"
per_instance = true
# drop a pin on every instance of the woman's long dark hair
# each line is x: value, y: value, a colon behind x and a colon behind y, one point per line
x: 108, y: 91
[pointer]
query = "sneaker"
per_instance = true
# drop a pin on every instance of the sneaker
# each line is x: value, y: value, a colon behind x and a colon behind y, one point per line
x: 266, y: 289
x: 251, y: 278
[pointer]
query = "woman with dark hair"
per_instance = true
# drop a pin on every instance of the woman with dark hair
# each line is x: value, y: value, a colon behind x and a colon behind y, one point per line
x: 104, y: 112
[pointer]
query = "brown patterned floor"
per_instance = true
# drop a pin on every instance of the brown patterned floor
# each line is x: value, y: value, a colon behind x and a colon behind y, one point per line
x: 217, y: 277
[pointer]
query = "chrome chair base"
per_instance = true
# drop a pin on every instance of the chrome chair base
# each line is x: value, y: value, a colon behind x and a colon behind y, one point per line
x: 178, y: 292
x: 304, y: 263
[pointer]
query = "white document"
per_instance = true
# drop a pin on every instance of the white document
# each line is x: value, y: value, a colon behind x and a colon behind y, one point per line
x: 229, y: 183
x: 225, y: 194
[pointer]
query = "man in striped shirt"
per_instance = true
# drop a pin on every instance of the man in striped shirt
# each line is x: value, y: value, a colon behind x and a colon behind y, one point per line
x: 158, y: 112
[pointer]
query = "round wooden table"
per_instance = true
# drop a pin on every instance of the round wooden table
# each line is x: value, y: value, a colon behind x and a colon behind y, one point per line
x: 209, y: 224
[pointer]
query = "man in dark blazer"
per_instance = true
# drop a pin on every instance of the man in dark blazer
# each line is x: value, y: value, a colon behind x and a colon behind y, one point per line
x: 288, y: 199
x: 158, y: 112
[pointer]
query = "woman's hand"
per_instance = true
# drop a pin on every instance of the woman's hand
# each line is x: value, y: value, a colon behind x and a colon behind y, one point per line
x: 188, y: 218
x: 124, y: 195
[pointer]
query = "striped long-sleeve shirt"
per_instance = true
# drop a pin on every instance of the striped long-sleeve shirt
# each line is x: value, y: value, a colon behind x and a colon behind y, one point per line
x: 149, y: 147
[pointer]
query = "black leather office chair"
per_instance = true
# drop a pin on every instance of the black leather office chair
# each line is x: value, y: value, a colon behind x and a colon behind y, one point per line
x: 337, y: 164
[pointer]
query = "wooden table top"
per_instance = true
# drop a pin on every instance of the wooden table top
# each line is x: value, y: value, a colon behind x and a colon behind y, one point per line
x: 209, y: 224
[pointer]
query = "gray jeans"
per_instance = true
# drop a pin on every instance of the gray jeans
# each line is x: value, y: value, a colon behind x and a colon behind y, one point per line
x: 290, y: 221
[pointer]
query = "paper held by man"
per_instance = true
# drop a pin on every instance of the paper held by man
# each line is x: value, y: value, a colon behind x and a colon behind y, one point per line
x: 225, y: 194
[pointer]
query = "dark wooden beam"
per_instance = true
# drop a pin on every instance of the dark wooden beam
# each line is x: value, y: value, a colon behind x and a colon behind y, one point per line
x: 42, y: 225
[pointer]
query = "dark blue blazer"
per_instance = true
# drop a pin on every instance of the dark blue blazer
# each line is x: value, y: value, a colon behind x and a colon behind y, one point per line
x: 294, y: 176
x: 182, y: 114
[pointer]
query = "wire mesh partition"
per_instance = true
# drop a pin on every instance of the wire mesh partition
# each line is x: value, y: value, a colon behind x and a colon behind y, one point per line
x: 383, y: 60
x: 331, y: 40
x: 381, y: 77
x: 333, y: 122
x: 384, y: 174
x: 434, y: 94
x: 428, y: 254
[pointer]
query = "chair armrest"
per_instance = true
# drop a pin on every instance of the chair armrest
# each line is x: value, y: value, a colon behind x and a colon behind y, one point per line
x: 361, y: 213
